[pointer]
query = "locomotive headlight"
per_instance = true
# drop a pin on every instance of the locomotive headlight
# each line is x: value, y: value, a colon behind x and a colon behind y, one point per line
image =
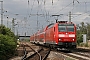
x: 59, y: 39
x: 71, y: 35
x: 61, y: 35
x: 56, y: 43
x: 73, y: 39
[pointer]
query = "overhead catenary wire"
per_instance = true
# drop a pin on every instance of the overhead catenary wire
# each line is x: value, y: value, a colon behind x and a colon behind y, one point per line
x: 52, y: 2
x: 43, y: 12
x: 45, y: 15
x: 31, y: 8
x: 74, y: 7
x: 44, y: 2
x: 74, y: 2
x: 64, y: 8
x: 86, y: 11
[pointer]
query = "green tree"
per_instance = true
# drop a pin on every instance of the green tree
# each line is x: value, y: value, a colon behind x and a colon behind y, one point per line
x: 82, y: 29
x: 7, y: 43
x: 6, y: 31
x: 88, y: 31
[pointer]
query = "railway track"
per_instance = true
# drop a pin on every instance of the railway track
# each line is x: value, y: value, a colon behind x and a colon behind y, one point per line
x: 79, y: 54
x: 83, y: 52
x: 40, y: 54
x: 33, y: 52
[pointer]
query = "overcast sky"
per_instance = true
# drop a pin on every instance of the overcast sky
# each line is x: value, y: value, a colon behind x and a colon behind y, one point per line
x: 25, y: 12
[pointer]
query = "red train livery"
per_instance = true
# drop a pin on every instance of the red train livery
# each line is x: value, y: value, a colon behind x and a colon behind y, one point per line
x: 57, y: 35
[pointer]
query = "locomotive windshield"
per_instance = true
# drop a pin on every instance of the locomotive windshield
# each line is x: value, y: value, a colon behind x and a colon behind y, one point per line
x: 66, y: 27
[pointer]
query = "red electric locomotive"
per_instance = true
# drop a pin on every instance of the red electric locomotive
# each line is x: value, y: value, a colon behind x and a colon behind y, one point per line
x: 61, y: 34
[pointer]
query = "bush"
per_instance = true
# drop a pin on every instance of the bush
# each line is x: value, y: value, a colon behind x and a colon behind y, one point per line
x: 6, y: 31
x: 8, y: 43
x: 86, y: 45
x: 79, y: 39
x: 7, y: 46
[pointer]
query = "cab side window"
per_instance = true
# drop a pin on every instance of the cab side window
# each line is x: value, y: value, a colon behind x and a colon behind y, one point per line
x: 54, y: 29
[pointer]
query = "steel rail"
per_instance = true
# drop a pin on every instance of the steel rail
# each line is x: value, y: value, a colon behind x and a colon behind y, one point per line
x: 36, y: 52
x: 41, y: 57
x: 44, y: 58
x: 72, y: 54
x: 25, y: 53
